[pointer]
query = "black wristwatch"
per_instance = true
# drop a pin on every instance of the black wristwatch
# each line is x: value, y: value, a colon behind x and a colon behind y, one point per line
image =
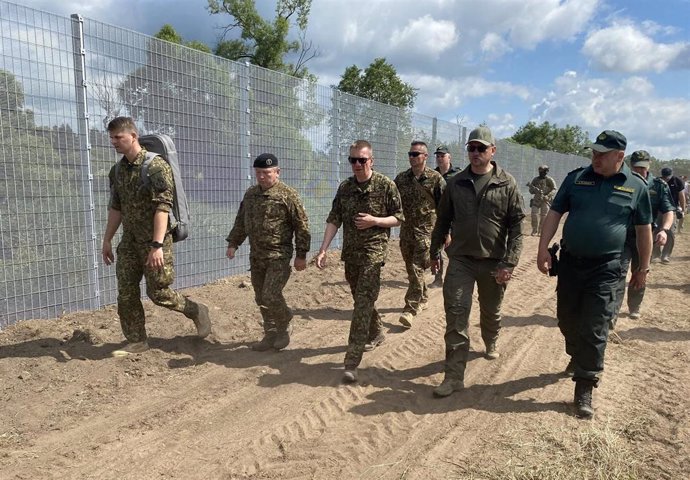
x: 156, y: 245
x: 666, y: 230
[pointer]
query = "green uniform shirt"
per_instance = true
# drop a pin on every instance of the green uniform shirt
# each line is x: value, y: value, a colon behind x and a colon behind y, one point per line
x: 420, y: 198
x: 136, y: 203
x: 600, y: 210
x: 270, y: 218
x: 659, y: 196
x: 378, y: 197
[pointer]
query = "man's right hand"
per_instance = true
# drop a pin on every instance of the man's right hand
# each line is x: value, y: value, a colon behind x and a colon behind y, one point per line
x: 231, y: 252
x: 435, y: 265
x: 321, y: 259
x: 107, y: 252
x: 544, y: 260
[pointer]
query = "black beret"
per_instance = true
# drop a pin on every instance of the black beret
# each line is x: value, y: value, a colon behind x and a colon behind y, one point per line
x: 266, y: 160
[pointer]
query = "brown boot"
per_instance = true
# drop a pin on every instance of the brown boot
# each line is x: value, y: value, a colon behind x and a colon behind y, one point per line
x: 201, y: 320
x: 265, y: 343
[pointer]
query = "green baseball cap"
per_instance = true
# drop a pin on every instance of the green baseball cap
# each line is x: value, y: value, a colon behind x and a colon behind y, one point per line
x: 609, y: 140
x: 640, y: 158
x: 482, y: 135
x: 442, y: 149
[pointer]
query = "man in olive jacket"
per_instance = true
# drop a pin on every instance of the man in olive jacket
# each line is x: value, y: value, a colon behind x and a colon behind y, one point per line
x: 483, y: 207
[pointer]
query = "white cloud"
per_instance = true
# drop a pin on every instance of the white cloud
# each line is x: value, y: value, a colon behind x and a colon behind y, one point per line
x: 424, y: 36
x: 494, y: 46
x: 633, y: 107
x: 625, y: 48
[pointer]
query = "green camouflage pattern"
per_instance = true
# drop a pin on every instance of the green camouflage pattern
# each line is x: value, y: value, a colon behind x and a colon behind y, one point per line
x: 137, y: 202
x: 419, y: 198
x: 543, y: 190
x: 378, y: 197
x: 365, y: 284
x: 269, y: 277
x: 417, y: 259
x: 129, y: 268
x: 270, y: 219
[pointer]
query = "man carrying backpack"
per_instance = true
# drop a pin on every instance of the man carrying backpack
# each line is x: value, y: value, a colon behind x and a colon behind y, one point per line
x: 146, y: 245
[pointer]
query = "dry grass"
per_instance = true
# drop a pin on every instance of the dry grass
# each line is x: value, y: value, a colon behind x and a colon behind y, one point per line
x: 588, y: 452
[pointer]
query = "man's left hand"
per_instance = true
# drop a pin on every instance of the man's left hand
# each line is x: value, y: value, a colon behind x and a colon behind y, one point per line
x: 155, y: 260
x: 300, y: 264
x: 503, y: 275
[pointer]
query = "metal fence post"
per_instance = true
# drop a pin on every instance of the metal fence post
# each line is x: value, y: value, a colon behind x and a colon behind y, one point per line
x: 81, y: 85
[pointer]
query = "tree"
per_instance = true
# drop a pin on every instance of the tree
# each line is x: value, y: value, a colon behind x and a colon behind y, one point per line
x: 265, y: 43
x: 548, y: 136
x: 169, y: 34
x: 379, y: 82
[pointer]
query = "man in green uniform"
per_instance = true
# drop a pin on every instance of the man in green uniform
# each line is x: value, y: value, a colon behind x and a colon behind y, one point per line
x: 483, y: 206
x: 601, y: 200
x: 420, y: 192
x: 270, y: 214
x: 367, y: 205
x: 663, y: 211
x: 445, y: 167
x: 146, y: 245
x: 543, y: 188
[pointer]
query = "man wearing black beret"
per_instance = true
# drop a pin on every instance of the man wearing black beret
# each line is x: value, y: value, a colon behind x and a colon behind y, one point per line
x: 270, y: 214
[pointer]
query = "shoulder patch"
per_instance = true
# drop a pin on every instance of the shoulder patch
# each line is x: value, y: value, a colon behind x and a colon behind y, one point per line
x: 621, y: 188
x: 587, y: 183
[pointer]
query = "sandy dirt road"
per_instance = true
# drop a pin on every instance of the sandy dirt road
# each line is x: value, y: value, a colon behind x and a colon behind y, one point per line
x: 214, y: 409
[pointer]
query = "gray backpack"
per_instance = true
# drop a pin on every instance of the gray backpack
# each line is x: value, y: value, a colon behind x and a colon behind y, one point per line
x: 162, y: 145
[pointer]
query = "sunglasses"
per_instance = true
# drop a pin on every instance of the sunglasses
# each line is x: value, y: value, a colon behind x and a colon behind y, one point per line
x: 414, y: 154
x: 361, y: 160
x: 478, y: 148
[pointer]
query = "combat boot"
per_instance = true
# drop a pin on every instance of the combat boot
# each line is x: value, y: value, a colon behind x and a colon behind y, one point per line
x: 375, y: 342
x: 448, y: 386
x: 131, y: 348
x: 350, y: 375
x: 583, y: 399
x: 202, y: 321
x: 282, y: 340
x: 406, y: 319
x: 635, y: 315
x: 492, y: 351
x: 266, y: 343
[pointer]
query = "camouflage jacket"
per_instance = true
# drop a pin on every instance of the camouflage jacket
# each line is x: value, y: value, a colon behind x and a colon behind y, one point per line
x: 485, y: 227
x: 138, y: 203
x: 270, y: 218
x: 378, y: 197
x: 543, y: 189
x: 420, y: 198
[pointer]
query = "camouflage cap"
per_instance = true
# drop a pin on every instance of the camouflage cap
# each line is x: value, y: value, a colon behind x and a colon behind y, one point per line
x: 266, y: 160
x: 640, y: 158
x: 609, y: 140
x: 442, y: 149
x: 482, y: 135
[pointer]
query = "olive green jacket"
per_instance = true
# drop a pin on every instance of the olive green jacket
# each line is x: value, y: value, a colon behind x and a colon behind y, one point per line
x: 486, y: 227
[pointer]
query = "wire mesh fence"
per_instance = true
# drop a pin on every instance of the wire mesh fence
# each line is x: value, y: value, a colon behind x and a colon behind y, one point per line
x: 63, y: 79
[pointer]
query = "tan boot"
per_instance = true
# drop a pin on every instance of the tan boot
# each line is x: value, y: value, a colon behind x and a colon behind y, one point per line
x: 202, y: 321
x: 131, y: 349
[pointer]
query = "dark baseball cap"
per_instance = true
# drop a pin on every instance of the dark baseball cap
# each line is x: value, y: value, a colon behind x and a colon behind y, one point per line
x: 609, y: 140
x: 442, y: 149
x: 640, y: 158
x: 666, y: 172
x: 266, y: 160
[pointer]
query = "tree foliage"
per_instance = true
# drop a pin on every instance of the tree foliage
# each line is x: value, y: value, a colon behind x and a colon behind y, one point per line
x: 265, y: 43
x: 379, y: 82
x: 548, y: 136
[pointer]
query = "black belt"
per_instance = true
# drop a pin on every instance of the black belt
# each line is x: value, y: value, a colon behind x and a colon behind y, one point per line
x: 591, y: 260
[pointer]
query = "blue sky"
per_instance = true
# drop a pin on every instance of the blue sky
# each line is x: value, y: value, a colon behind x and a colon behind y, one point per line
x: 599, y: 64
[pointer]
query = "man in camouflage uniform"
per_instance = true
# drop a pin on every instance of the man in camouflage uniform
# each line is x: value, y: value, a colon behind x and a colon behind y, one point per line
x: 146, y: 245
x: 367, y: 205
x: 447, y: 170
x: 270, y: 214
x: 484, y: 208
x: 543, y: 188
x: 420, y: 192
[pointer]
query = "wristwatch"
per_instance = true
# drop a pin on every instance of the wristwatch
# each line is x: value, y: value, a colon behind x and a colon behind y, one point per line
x: 665, y: 230
x: 156, y: 245
x: 645, y: 270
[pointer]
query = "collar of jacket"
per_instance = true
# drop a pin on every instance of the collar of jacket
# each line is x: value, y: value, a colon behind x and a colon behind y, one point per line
x: 498, y: 175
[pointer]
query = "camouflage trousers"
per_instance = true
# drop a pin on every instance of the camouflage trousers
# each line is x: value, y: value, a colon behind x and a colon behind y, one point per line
x: 269, y: 278
x: 129, y: 270
x: 539, y: 211
x: 417, y: 259
x: 365, y: 284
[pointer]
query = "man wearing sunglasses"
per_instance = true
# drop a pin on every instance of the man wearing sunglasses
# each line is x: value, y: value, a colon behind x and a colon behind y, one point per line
x: 483, y: 207
x: 420, y: 190
x: 447, y: 170
x: 367, y: 205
